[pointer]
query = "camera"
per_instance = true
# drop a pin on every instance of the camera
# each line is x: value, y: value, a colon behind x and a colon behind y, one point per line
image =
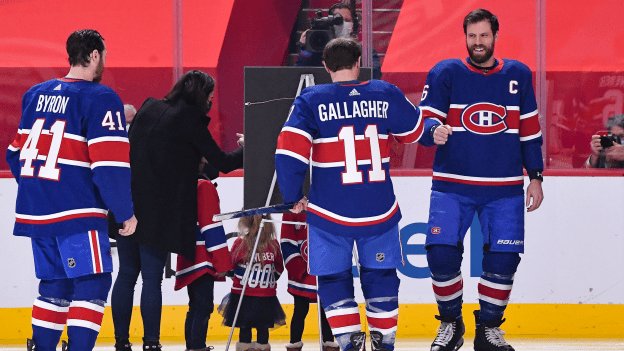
x: 321, y: 31
x: 608, y: 140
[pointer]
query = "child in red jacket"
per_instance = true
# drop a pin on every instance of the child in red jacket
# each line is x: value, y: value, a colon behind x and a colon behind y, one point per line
x: 260, y: 308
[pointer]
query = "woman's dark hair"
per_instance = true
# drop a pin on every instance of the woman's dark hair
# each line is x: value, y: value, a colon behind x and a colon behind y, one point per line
x: 341, y: 53
x: 193, y: 87
x: 81, y: 44
x: 479, y: 15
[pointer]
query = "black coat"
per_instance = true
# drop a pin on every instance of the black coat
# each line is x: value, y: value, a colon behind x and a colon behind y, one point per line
x: 167, y: 140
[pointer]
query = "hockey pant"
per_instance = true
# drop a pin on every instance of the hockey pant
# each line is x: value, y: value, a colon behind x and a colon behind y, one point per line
x: 77, y: 302
x: 494, y: 287
x: 380, y: 288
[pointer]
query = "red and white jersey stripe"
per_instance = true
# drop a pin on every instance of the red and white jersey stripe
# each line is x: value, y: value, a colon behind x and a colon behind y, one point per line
x: 494, y: 293
x: 448, y: 290
x: 344, y: 320
x: 85, y: 314
x: 351, y: 221
x: 47, y: 315
x: 60, y: 216
x: 492, y: 181
x: 295, y: 143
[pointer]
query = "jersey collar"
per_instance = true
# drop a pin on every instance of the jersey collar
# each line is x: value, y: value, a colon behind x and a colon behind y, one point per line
x: 352, y: 82
x: 70, y: 80
x: 486, y: 72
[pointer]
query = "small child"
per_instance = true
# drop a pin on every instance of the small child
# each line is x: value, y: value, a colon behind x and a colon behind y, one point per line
x: 301, y: 285
x: 260, y: 308
x: 211, y: 259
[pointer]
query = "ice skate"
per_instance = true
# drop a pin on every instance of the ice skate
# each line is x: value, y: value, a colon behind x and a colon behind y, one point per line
x: 376, y: 339
x: 489, y: 337
x: 30, y: 345
x: 358, y: 340
x: 450, y: 334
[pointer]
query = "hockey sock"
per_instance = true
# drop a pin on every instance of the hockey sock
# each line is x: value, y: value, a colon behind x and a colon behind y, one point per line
x: 381, y: 291
x: 337, y: 294
x: 448, y: 285
x: 496, y: 283
x: 49, y: 313
x: 87, y: 310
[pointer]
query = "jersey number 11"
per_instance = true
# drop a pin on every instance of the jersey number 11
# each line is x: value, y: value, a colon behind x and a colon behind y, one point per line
x: 351, y: 175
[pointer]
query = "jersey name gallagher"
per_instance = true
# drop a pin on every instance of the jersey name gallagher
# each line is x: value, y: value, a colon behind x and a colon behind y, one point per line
x: 342, y: 110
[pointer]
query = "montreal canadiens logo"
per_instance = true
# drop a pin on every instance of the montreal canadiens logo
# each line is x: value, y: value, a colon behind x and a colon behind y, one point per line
x: 435, y: 230
x: 484, y: 118
x: 304, y: 250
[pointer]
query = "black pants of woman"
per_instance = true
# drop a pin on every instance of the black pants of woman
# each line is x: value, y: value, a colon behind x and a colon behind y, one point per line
x: 302, y: 306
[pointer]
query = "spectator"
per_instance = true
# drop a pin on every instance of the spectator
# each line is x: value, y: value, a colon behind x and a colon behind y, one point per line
x: 612, y: 157
x: 129, y: 111
x: 167, y: 139
x: 315, y: 59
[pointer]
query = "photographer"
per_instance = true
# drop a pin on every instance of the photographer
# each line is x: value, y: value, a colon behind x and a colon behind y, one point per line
x: 344, y: 30
x: 604, y: 156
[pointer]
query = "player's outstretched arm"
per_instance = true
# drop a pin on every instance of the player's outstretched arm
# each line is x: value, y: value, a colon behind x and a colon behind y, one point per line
x: 534, y: 196
x: 441, y: 134
x: 129, y: 226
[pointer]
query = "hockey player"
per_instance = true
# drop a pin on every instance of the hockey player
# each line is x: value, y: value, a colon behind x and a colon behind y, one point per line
x: 482, y: 113
x: 71, y: 161
x: 343, y: 130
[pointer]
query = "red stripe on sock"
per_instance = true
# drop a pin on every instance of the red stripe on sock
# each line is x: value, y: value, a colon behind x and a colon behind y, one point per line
x: 448, y: 290
x: 382, y: 323
x: 49, y: 316
x: 494, y: 293
x: 86, y: 314
x: 344, y: 320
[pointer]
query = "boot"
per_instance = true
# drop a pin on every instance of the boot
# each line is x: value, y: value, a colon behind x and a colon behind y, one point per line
x: 123, y: 345
x: 152, y: 345
x: 376, y: 339
x: 297, y: 346
x: 489, y: 337
x: 64, y: 346
x: 30, y: 345
x: 358, y: 340
x: 330, y: 346
x: 245, y: 346
x: 263, y: 347
x: 450, y: 334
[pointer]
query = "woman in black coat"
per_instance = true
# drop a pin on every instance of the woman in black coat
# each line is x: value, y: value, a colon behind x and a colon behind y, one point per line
x: 168, y: 137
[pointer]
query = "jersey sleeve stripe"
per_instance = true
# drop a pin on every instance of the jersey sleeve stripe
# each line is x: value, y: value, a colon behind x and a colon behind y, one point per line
x: 293, y: 155
x: 110, y: 164
x: 529, y: 126
x: 294, y: 142
x: 109, y: 151
x: 413, y: 135
x: 108, y: 138
x: 348, y: 221
x: 13, y: 148
x: 429, y: 111
x: 216, y: 247
x: 73, y: 163
x: 527, y: 115
x: 74, y: 137
x: 531, y: 137
x: 297, y: 131
x: 211, y: 226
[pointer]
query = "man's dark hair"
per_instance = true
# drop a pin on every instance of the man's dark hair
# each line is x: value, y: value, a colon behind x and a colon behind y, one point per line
x: 81, y: 44
x: 615, y: 120
x: 341, y: 53
x: 193, y: 87
x: 340, y: 5
x: 479, y: 15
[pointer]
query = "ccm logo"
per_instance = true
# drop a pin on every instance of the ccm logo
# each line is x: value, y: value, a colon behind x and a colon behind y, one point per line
x: 435, y: 230
x: 510, y: 242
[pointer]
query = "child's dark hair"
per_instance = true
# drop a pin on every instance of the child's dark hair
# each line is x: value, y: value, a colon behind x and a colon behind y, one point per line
x: 249, y: 226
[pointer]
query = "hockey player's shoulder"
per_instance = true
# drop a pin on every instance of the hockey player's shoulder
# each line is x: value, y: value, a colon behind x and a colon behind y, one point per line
x: 514, y: 65
x: 447, y: 65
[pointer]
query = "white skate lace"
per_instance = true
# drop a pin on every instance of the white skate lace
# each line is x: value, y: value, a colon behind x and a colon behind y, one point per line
x: 495, y: 336
x: 445, y: 334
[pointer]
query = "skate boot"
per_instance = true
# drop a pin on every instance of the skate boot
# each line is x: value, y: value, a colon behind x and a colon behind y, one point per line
x: 152, y: 345
x: 297, y: 346
x: 330, y: 346
x: 30, y: 345
x: 489, y: 337
x: 123, y: 345
x: 358, y: 340
x: 64, y: 346
x: 376, y: 339
x: 450, y: 334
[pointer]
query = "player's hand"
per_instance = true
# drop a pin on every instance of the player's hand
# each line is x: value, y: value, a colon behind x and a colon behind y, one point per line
x: 534, y: 192
x: 303, y: 37
x: 595, y: 144
x: 615, y: 153
x: 440, y: 135
x: 241, y: 139
x: 129, y: 226
x: 302, y: 205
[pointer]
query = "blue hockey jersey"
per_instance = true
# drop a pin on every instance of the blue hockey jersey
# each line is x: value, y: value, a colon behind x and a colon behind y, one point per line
x: 71, y: 159
x: 495, y: 123
x: 343, y: 129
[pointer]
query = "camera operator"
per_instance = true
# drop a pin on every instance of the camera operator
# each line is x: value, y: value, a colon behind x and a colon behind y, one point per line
x: 603, y: 155
x: 344, y: 30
